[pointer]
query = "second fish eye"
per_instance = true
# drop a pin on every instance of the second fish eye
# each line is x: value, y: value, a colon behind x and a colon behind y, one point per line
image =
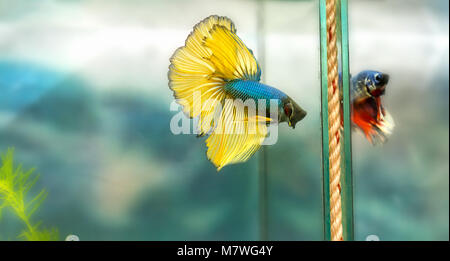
x: 377, y: 77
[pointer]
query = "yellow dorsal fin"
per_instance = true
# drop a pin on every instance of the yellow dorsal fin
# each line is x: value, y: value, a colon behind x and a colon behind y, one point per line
x: 230, y: 56
x: 202, y: 30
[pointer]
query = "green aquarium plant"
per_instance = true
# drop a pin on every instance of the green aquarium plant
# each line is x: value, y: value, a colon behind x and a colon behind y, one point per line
x: 15, y: 183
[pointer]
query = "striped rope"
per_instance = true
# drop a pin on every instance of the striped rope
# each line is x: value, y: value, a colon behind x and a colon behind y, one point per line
x: 334, y: 122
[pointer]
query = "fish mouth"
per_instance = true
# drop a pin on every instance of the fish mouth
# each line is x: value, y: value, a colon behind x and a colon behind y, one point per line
x: 378, y: 91
x: 297, y: 117
x: 384, y: 79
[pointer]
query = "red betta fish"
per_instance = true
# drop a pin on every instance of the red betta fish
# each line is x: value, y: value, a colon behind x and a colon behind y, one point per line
x: 368, y: 113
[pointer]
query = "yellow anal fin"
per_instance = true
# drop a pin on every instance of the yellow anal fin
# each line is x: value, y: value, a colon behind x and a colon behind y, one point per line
x: 236, y: 137
x: 258, y: 118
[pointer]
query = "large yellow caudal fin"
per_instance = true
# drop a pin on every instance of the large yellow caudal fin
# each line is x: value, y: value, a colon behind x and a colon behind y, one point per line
x: 213, y: 55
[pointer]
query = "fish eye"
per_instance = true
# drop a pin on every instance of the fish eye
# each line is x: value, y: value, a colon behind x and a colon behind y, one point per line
x: 378, y: 77
x: 288, y: 109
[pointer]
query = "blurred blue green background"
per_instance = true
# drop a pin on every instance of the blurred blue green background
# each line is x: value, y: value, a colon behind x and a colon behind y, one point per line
x: 84, y: 99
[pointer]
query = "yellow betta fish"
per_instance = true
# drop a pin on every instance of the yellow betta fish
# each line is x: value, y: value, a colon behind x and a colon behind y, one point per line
x: 215, y: 77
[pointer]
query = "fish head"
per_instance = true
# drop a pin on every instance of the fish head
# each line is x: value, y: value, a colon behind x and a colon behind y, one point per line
x: 373, y: 83
x: 292, y: 112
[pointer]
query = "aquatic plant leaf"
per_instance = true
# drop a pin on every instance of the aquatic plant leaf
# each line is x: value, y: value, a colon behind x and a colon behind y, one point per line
x: 14, y: 187
x: 34, y: 204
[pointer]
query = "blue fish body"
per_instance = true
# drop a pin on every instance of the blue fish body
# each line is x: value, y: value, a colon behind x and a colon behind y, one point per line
x: 245, y: 89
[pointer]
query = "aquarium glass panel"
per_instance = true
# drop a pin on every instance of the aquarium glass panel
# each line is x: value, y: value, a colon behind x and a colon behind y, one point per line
x: 401, y: 186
